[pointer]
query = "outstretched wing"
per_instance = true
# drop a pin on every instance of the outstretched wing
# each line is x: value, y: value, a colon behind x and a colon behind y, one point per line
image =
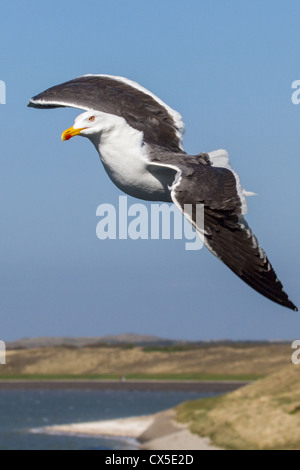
x: 142, y: 110
x: 225, y: 232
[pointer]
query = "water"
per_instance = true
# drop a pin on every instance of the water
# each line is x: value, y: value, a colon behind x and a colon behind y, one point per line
x: 23, y: 412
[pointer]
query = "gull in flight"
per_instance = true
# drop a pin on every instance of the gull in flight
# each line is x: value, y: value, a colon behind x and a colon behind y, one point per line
x: 139, y: 140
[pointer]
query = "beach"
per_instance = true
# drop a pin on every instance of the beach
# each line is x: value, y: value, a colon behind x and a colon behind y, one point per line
x: 155, y: 432
x: 147, y: 427
x: 114, y: 415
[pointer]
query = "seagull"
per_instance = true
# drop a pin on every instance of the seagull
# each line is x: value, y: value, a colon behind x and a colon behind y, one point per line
x: 139, y: 139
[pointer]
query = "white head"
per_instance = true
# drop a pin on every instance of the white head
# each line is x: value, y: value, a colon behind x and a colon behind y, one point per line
x: 90, y: 124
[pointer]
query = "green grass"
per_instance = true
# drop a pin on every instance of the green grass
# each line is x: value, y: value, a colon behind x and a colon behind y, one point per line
x: 264, y: 415
x: 170, y: 349
x: 191, y: 410
x: 174, y: 348
x: 179, y: 377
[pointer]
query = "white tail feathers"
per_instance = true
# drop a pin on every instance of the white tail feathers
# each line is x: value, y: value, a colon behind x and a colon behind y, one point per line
x: 220, y: 159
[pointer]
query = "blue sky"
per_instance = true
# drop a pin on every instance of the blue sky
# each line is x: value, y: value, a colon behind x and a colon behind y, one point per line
x: 227, y: 66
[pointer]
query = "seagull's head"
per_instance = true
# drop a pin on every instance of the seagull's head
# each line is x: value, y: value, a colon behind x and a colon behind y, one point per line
x: 88, y: 124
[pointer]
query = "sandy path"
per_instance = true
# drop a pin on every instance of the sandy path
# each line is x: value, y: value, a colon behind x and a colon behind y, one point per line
x: 155, y: 432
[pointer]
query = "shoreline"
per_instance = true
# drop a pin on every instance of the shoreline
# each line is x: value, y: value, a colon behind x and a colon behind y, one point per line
x: 154, y: 432
x: 127, y: 385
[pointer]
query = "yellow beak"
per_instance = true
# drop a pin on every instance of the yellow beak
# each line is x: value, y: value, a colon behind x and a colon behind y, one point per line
x: 71, y: 132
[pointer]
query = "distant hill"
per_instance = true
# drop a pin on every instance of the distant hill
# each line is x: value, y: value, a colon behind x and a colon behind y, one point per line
x: 147, y: 355
x: 130, y: 338
x: 124, y: 339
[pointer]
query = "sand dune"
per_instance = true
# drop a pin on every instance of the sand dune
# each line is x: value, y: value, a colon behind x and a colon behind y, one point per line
x: 213, y: 359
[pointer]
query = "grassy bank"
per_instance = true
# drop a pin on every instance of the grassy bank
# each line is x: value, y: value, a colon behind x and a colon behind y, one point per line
x: 263, y: 415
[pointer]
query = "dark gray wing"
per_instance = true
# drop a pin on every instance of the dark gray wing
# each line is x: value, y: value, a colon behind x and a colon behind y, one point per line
x: 142, y: 110
x: 225, y: 232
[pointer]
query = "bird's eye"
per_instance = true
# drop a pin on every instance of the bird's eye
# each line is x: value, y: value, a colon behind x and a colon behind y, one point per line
x: 92, y: 118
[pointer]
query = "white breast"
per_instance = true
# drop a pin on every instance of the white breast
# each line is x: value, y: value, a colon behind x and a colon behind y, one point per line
x: 123, y: 155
